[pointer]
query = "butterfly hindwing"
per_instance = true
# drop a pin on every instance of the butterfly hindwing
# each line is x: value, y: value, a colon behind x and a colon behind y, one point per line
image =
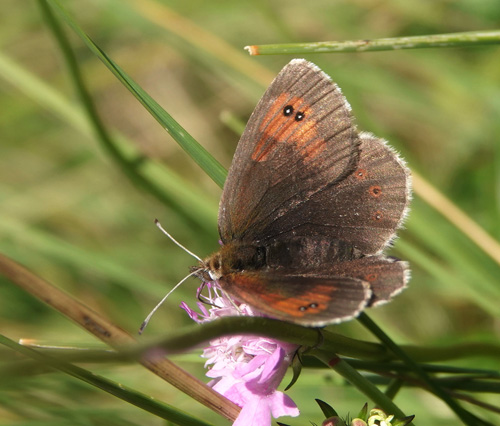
x: 387, y: 276
x: 304, y: 299
x: 364, y: 209
x: 367, y: 207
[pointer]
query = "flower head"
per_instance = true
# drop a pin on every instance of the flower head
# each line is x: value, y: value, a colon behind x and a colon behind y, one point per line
x: 245, y: 369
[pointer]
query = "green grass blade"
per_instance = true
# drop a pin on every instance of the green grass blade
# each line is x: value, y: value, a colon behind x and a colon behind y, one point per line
x: 119, y: 390
x: 361, y: 383
x: 472, y: 38
x: 465, y: 416
x: 175, y: 191
x: 199, y: 154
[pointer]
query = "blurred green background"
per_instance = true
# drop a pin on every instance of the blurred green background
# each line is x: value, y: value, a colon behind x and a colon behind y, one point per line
x: 70, y: 215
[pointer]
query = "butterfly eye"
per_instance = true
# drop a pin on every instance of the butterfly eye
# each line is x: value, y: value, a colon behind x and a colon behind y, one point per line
x: 288, y: 110
x: 216, y: 264
x: 299, y: 116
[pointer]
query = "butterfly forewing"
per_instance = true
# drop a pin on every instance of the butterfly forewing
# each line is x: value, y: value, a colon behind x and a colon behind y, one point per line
x: 299, y: 140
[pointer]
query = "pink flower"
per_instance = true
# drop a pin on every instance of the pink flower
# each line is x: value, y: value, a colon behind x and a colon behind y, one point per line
x: 245, y: 369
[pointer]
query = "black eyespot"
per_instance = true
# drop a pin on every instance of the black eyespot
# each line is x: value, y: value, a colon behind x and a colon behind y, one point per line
x: 299, y: 116
x: 313, y: 305
x: 288, y: 110
x: 302, y: 309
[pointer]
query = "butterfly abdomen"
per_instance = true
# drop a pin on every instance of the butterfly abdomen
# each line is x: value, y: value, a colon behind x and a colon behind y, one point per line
x: 308, y: 253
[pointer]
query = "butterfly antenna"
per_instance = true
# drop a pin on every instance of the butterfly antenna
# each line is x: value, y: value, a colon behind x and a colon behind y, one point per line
x: 158, y: 224
x: 148, y: 318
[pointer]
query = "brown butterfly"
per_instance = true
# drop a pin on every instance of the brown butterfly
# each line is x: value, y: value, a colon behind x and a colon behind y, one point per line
x: 308, y: 207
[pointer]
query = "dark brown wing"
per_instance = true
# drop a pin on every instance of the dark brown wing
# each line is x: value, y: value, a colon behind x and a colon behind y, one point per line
x: 387, y: 277
x: 300, y: 139
x: 363, y: 209
x: 311, y: 174
x: 306, y: 300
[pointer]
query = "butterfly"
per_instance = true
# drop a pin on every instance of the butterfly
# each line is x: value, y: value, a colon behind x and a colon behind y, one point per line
x: 308, y: 207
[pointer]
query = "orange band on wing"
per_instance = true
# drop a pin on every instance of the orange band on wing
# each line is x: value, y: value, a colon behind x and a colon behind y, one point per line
x: 276, y: 128
x: 308, y: 304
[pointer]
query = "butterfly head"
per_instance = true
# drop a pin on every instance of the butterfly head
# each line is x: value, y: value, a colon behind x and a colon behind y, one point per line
x: 209, y: 269
x: 234, y: 257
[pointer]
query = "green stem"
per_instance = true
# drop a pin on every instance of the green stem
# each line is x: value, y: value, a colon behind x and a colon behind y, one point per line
x: 360, y: 382
x: 472, y: 38
x: 138, y: 399
x: 384, y: 366
x: 194, y: 335
x: 130, y: 167
x: 465, y: 416
x: 199, y: 154
x: 394, y: 386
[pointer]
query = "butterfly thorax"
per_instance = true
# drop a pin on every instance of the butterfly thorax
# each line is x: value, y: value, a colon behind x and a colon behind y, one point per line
x: 296, y: 254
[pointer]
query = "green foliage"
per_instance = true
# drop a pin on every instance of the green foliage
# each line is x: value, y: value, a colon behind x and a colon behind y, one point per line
x: 81, y: 214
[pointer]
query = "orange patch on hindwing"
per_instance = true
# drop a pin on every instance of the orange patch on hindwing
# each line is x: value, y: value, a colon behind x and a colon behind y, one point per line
x: 289, y: 120
x: 310, y: 303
